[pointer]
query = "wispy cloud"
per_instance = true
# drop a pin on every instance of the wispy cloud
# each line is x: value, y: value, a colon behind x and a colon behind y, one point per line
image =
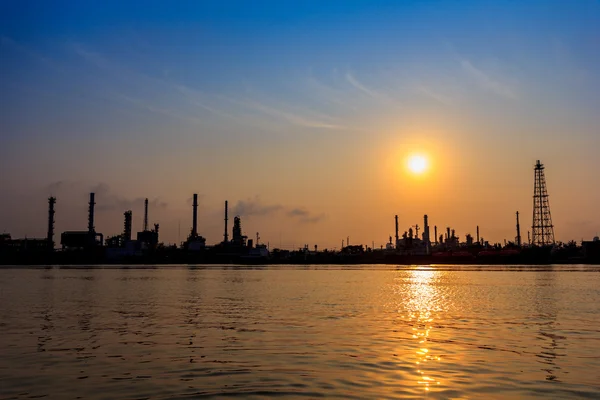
x: 297, y: 212
x: 159, y: 110
x: 106, y: 199
x: 57, y: 187
x: 305, y: 216
x: 428, y: 92
x: 288, y: 116
x: 486, y: 82
x: 384, y: 98
x: 199, y: 100
x: 358, y: 85
x: 255, y: 206
x: 326, y: 94
x: 120, y: 72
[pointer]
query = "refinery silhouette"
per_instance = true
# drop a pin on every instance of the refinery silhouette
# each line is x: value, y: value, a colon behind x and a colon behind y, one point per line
x: 90, y: 247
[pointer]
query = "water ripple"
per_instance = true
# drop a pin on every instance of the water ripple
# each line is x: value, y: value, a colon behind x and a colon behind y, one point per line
x: 322, y: 331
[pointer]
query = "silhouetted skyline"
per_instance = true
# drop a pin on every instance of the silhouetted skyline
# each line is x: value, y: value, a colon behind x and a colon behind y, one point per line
x: 302, y: 116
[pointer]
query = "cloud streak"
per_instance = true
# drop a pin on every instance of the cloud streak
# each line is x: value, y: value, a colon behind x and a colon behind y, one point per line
x: 292, y: 118
x: 425, y: 91
x: 159, y: 110
x: 254, y: 207
x: 195, y: 98
x: 354, y: 82
x: 305, y: 216
x: 486, y: 82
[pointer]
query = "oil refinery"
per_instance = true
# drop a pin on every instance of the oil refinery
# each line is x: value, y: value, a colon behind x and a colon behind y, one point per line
x: 415, y: 245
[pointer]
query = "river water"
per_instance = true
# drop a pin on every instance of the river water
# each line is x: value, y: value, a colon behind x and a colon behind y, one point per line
x: 300, y: 332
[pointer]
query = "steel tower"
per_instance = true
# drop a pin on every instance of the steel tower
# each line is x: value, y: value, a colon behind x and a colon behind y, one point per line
x: 542, y: 231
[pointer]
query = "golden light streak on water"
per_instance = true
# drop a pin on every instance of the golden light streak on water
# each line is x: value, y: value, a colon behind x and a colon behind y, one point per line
x: 423, y: 303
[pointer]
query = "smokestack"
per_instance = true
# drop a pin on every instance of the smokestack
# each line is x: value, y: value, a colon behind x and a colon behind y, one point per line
x: 91, y: 228
x: 146, y: 215
x: 478, y: 234
x: 127, y: 226
x: 195, y: 216
x: 50, y: 237
x: 426, y: 233
x: 518, y: 231
x: 225, y: 235
x: 397, y: 237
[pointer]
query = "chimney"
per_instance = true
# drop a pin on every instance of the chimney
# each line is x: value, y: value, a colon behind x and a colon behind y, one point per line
x: 50, y: 237
x: 518, y: 231
x: 195, y: 216
x: 426, y: 233
x: 477, y: 233
x: 225, y: 235
x: 91, y: 228
x: 146, y: 215
x: 397, y: 237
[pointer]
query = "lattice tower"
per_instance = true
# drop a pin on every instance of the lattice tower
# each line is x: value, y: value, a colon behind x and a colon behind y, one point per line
x: 542, y: 230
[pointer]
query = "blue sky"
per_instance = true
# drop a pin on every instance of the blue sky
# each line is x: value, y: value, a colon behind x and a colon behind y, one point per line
x: 290, y: 103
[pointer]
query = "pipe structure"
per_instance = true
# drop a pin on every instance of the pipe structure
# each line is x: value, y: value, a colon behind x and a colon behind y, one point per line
x: 146, y: 215
x: 195, y: 216
x: 91, y: 228
x: 50, y: 236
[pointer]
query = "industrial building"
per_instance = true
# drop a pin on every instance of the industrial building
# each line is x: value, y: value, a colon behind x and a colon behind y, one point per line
x: 79, y: 240
x: 147, y: 239
x: 32, y: 245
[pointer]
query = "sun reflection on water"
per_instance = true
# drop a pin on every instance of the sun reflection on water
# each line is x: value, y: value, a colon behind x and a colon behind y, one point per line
x: 422, y: 306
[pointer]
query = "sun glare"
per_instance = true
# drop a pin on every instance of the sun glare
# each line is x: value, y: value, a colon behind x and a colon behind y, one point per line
x: 417, y: 164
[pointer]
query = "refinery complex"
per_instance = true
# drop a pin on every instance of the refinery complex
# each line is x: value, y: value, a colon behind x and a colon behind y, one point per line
x: 421, y: 245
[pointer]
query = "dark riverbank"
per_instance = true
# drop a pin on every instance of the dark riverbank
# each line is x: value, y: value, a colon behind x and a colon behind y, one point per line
x: 176, y: 256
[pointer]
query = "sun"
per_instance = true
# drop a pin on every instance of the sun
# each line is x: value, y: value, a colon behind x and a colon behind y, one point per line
x: 417, y: 164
